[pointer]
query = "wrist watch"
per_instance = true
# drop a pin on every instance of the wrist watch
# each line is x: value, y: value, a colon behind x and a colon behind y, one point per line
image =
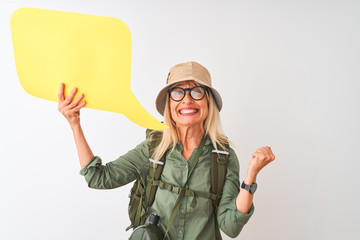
x: 250, y: 188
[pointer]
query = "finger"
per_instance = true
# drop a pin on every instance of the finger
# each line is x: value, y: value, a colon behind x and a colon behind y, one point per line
x: 261, y: 153
x: 76, y: 102
x: 77, y: 108
x: 264, y: 149
x: 61, y: 92
x: 260, y: 150
x: 267, y: 150
x: 272, y: 156
x: 71, y: 95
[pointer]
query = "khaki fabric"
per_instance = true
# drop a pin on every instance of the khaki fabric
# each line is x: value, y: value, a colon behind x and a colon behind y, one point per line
x: 190, y: 223
x: 185, y: 72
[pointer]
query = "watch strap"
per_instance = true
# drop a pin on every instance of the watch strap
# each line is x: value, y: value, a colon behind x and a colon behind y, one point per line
x: 250, y: 188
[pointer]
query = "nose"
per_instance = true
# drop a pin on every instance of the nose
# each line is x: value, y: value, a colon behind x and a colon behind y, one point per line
x: 187, y: 98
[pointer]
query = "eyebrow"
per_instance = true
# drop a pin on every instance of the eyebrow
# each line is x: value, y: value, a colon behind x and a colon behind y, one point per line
x: 188, y: 84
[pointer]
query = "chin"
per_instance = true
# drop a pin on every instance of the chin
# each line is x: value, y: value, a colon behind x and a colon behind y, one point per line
x: 188, y: 123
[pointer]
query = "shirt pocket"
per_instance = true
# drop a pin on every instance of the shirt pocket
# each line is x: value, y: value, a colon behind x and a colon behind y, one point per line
x: 175, y: 172
x: 201, y: 177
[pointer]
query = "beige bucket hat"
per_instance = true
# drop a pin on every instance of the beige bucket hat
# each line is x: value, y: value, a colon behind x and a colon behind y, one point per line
x: 185, y: 72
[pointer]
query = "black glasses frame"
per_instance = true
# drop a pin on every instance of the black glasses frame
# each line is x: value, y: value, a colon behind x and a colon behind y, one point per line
x: 187, y: 89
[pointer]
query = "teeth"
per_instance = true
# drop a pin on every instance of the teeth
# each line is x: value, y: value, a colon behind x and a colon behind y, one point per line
x: 185, y: 111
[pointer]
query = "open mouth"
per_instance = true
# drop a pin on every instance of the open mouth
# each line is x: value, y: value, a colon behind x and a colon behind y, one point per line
x: 188, y: 111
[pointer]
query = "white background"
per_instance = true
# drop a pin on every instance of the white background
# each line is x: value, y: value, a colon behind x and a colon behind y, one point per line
x: 288, y: 72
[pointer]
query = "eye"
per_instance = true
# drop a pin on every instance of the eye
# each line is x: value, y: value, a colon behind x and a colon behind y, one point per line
x: 177, y: 94
x: 197, y: 92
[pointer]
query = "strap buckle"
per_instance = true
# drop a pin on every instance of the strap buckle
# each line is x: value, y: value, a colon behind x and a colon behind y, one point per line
x: 149, y: 179
x: 221, y: 160
x: 175, y: 189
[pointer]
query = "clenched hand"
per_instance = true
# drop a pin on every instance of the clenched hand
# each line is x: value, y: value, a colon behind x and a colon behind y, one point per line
x: 261, y: 157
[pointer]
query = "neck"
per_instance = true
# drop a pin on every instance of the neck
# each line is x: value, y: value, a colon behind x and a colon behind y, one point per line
x: 190, y: 136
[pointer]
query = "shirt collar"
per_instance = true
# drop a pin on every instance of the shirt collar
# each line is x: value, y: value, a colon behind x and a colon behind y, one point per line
x: 207, y: 142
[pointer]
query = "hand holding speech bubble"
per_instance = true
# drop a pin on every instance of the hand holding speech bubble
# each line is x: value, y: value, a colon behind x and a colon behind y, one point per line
x: 91, y: 53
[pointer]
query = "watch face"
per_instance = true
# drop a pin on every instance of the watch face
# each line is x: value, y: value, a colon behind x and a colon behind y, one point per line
x: 253, y: 187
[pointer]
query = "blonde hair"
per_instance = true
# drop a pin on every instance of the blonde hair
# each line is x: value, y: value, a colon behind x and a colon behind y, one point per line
x: 212, y: 127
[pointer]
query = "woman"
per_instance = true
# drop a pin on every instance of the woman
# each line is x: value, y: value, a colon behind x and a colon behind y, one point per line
x: 190, y: 107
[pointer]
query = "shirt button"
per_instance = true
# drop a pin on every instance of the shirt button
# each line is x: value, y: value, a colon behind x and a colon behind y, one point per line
x: 181, y: 232
x: 182, y: 210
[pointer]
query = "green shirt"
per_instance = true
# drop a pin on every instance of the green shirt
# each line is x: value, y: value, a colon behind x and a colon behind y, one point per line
x: 190, y: 223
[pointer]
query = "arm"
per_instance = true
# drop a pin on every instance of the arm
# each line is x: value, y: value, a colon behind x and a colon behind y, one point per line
x: 114, y: 174
x: 261, y: 158
x: 84, y: 152
x: 236, y: 208
x: 71, y: 111
x: 244, y: 199
x: 123, y: 170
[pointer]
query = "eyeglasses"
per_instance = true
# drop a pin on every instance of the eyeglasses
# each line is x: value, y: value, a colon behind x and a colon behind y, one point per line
x: 177, y: 94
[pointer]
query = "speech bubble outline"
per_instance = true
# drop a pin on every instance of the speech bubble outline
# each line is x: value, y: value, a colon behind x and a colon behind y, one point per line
x: 92, y: 53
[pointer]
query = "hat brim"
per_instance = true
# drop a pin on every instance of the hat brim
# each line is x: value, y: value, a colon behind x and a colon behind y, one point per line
x: 161, y: 98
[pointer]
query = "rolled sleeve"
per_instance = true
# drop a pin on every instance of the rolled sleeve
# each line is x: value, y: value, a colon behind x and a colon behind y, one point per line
x: 93, y: 163
x: 239, y: 217
x: 119, y: 172
x: 231, y: 221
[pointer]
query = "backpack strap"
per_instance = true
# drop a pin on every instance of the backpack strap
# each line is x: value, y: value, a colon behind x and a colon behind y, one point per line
x: 219, y: 162
x: 147, y: 191
x: 188, y: 192
x: 155, y: 170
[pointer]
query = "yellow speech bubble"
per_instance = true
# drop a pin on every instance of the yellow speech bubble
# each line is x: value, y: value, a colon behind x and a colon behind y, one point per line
x: 91, y: 53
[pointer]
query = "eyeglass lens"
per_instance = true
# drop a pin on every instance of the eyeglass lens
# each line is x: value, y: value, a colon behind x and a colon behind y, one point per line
x: 196, y: 93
